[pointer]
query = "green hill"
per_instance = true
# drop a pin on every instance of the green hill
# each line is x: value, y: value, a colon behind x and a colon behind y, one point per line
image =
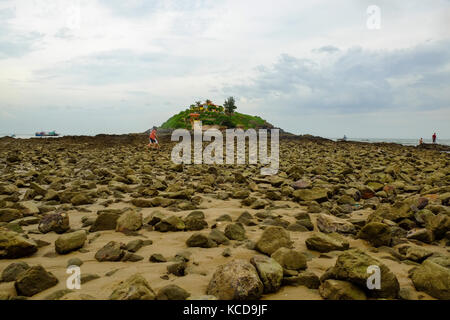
x: 236, y: 119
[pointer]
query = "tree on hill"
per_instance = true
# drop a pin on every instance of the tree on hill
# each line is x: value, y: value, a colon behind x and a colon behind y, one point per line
x: 229, y: 105
x: 198, y: 103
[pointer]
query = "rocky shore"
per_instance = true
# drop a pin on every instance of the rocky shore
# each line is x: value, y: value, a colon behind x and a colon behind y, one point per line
x: 140, y: 227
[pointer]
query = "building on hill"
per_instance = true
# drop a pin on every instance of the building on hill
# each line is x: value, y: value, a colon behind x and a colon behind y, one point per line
x: 208, y: 106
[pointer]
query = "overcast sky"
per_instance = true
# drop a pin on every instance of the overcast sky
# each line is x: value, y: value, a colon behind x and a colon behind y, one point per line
x: 114, y: 66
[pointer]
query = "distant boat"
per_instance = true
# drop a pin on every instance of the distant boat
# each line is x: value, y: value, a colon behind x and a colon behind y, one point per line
x: 47, y: 134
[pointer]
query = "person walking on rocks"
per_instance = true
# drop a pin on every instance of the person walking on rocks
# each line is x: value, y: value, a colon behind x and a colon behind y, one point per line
x: 153, y: 139
x: 434, y: 137
x: 420, y: 141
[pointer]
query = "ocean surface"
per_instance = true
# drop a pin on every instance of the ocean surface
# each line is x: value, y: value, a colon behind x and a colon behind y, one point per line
x: 405, y: 142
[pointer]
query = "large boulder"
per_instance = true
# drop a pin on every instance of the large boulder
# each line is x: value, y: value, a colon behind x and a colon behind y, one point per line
x: 218, y: 237
x: 328, y: 224
x: 353, y: 266
x: 134, y: 288
x: 272, y: 239
x: 8, y: 189
x: 105, y: 221
x: 70, y: 241
x: 9, y: 214
x: 171, y: 223
x: 13, y: 245
x: 236, y: 280
x: 34, y: 280
x: 290, y: 259
x: 439, y: 225
x: 172, y: 292
x: 303, y: 278
x: 195, y: 221
x: 130, y: 220
x: 314, y: 194
x: 57, y: 222
x: 12, y: 271
x: 322, y: 242
x: 29, y: 208
x: 376, y: 233
x: 80, y: 199
x: 270, y: 272
x: 112, y: 251
x: 433, y: 279
x: 235, y: 231
x: 340, y: 290
x: 200, y: 240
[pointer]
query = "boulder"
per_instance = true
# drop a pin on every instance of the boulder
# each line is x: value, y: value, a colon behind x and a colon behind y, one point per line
x: 34, y: 280
x: 352, y: 266
x: 376, y: 233
x: 303, y: 278
x: 218, y: 237
x: 194, y: 223
x: 9, y: 214
x: 272, y: 239
x: 178, y: 268
x: 70, y: 241
x: 235, y: 231
x: 142, y: 203
x: 8, y: 189
x: 13, y: 245
x: 112, y: 251
x: 200, y: 240
x: 57, y: 222
x: 290, y: 259
x: 341, y: 290
x: 12, y: 271
x: 172, y: 292
x: 422, y: 234
x: 236, y: 280
x: 270, y: 272
x: 130, y: 220
x: 314, y: 194
x: 326, y: 242
x: 105, y: 221
x: 171, y: 223
x: 134, y: 288
x: 433, y: 279
x: 157, y: 257
x: 80, y: 199
x: 328, y: 224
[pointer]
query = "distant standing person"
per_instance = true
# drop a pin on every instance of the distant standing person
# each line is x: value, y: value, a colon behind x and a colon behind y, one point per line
x: 434, y: 137
x: 421, y: 141
x: 153, y: 139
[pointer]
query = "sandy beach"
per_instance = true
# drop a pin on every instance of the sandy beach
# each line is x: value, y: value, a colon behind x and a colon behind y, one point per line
x: 373, y: 202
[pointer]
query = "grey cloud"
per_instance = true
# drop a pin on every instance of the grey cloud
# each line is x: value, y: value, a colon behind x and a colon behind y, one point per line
x: 327, y: 49
x: 15, y: 43
x: 144, y: 8
x: 357, y: 81
x: 119, y: 66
